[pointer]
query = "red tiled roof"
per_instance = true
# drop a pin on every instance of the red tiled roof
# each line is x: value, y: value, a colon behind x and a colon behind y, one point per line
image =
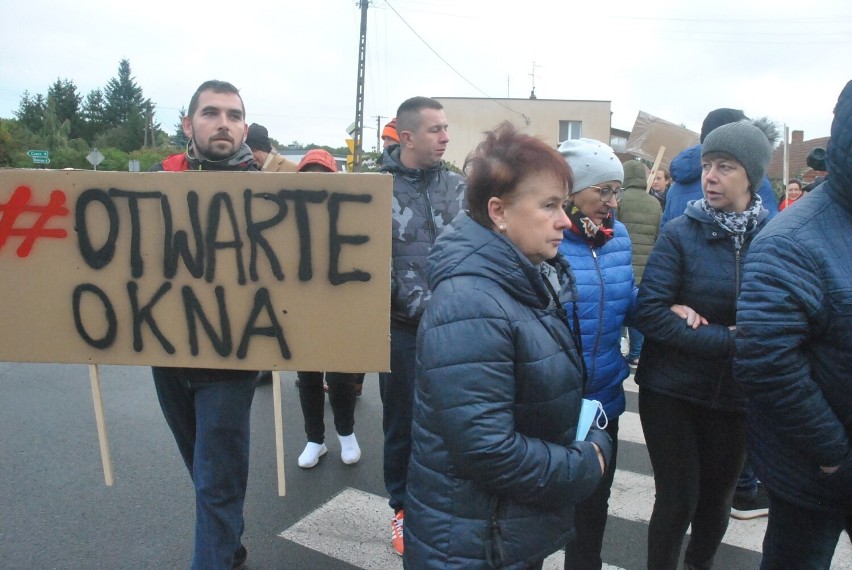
x: 797, y: 155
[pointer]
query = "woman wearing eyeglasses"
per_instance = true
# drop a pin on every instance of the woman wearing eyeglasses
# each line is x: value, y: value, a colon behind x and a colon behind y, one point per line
x: 598, y: 248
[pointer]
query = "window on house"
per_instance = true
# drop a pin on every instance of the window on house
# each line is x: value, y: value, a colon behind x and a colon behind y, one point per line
x: 618, y: 143
x: 570, y: 130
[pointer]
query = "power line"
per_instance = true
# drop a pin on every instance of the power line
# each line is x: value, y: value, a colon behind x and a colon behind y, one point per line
x: 398, y: 15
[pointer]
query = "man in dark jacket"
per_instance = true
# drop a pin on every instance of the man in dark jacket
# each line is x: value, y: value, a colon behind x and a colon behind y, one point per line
x: 426, y: 198
x: 686, y: 170
x: 206, y: 409
x: 794, y: 340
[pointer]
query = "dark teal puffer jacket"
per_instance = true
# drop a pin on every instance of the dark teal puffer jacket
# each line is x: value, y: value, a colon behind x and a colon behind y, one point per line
x: 693, y: 263
x: 794, y: 338
x: 494, y: 472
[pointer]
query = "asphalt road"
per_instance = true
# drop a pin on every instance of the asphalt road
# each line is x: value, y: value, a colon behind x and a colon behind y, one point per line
x: 56, y: 511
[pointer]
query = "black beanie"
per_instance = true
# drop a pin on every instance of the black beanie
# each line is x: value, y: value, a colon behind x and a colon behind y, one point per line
x: 719, y: 117
x: 258, y: 138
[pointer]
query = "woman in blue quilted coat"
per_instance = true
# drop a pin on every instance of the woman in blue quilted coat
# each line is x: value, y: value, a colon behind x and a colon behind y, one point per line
x: 599, y: 250
x: 692, y: 411
x: 495, y: 470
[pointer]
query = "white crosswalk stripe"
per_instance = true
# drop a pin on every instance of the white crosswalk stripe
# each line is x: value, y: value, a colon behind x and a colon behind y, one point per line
x: 354, y: 526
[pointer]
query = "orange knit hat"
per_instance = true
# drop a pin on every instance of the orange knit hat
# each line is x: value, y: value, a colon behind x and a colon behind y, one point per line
x: 389, y: 132
x: 318, y: 156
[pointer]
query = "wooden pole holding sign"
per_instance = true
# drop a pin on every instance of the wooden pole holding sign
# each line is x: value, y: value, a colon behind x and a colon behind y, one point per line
x: 279, y: 430
x: 653, y: 174
x: 95, y: 378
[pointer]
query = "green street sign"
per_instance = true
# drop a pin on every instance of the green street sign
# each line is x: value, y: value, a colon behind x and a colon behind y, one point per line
x: 41, y: 160
x: 37, y: 154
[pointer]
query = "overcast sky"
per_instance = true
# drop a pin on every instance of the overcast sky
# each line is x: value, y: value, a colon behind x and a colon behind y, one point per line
x: 296, y: 62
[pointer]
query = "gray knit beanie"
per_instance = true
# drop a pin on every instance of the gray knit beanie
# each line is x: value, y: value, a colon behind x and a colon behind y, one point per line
x: 592, y: 162
x: 747, y: 144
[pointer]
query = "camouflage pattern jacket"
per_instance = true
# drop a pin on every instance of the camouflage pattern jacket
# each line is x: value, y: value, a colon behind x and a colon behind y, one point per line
x: 424, y: 203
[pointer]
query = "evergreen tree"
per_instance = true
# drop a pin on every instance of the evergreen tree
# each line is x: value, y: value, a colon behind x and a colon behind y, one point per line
x: 93, y: 116
x: 121, y: 94
x: 67, y: 104
x: 179, y: 139
x: 30, y: 111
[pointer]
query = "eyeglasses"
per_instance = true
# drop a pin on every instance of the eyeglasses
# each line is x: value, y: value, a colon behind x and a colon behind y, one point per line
x: 607, y: 192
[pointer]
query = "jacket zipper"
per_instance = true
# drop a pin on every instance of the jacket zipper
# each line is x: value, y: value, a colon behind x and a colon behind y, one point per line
x: 600, y: 315
x: 737, y: 257
x: 430, y: 220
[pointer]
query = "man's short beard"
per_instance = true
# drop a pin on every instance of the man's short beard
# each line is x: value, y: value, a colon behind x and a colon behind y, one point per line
x: 210, y: 154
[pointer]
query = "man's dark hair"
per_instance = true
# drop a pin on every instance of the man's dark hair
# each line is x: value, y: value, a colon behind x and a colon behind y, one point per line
x: 215, y: 86
x: 718, y: 118
x: 408, y: 114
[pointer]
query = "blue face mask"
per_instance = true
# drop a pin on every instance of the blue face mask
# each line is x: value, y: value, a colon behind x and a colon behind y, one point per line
x: 591, y: 412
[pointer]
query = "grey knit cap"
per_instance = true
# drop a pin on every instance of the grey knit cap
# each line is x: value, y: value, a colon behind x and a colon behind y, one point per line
x: 747, y: 144
x: 592, y: 162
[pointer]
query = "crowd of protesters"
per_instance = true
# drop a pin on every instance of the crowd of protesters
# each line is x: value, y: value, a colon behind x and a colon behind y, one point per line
x: 510, y: 287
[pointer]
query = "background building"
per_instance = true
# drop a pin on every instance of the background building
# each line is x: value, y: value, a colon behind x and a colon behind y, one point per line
x: 553, y: 120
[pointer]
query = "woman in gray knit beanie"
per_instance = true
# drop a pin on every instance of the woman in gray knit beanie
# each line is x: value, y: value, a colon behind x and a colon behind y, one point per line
x: 692, y: 412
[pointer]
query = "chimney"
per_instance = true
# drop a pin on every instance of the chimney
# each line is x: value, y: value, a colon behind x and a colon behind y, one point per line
x: 797, y: 137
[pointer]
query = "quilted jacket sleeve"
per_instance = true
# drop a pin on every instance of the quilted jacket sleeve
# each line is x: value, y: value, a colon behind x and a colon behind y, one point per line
x: 663, y: 286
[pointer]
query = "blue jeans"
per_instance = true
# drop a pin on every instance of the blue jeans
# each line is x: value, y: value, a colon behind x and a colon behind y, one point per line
x: 801, y: 538
x: 747, y: 482
x: 397, y: 391
x: 636, y: 339
x: 210, y: 421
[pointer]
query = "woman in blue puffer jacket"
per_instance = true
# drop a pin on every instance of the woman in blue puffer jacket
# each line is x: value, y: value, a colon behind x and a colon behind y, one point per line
x: 495, y: 470
x: 599, y: 250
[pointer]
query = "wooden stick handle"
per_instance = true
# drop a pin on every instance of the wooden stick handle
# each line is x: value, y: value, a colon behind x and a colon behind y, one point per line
x: 279, y: 430
x: 657, y: 162
x: 95, y: 378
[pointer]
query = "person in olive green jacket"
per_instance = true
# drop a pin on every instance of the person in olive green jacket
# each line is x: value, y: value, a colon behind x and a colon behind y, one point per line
x: 641, y: 214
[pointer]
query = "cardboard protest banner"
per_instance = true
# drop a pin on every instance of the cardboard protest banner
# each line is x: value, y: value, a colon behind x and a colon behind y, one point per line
x: 650, y: 133
x: 241, y: 270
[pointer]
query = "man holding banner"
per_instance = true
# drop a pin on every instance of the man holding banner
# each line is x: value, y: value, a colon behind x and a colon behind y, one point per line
x: 208, y: 410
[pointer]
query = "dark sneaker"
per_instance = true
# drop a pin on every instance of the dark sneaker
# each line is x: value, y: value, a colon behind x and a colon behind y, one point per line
x: 239, y: 557
x: 755, y: 506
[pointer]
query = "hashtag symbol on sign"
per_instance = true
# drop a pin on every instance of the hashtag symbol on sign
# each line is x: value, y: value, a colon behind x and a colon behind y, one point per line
x: 19, y: 204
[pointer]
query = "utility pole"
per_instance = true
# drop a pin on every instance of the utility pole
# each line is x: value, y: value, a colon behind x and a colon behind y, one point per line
x: 358, y: 137
x: 379, y: 133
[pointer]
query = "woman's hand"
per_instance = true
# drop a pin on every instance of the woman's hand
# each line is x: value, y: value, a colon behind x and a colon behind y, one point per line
x: 600, y: 458
x: 693, y: 319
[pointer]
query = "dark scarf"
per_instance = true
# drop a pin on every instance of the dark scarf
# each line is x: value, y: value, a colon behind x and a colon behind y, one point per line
x: 735, y: 223
x: 596, y: 236
x: 237, y: 161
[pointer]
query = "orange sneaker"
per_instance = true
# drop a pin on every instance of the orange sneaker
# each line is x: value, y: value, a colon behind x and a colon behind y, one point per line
x: 396, y: 532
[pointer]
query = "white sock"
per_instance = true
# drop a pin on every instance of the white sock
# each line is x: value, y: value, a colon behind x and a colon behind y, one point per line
x: 310, y: 456
x: 349, y: 451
